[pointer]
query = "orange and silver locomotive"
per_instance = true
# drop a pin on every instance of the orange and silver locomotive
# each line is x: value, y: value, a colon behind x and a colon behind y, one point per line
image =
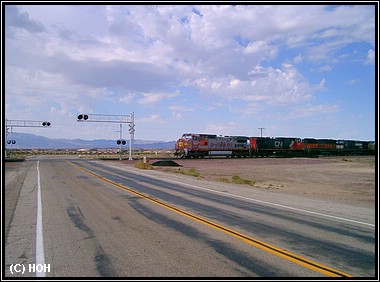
x: 201, y: 145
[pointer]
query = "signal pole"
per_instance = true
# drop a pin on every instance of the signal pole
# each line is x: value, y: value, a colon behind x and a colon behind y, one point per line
x: 132, y: 134
x: 261, y: 130
x: 121, y: 134
x: 113, y: 119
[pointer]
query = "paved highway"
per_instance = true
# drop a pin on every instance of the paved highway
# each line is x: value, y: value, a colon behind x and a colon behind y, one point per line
x: 84, y: 218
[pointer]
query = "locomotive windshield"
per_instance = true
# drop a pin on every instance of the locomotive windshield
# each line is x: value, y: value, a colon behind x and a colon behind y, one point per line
x: 187, y: 136
x: 190, y: 136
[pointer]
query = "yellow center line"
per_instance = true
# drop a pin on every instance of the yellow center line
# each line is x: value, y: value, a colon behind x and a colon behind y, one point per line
x: 318, y: 267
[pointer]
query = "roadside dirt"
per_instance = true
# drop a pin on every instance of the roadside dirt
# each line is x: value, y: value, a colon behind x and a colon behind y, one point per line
x: 14, y: 175
x: 348, y: 179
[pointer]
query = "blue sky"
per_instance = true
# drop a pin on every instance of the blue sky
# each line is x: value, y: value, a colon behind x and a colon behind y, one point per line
x: 295, y: 70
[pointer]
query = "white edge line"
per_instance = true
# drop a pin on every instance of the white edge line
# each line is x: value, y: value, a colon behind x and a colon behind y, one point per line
x: 40, y: 255
x: 250, y: 199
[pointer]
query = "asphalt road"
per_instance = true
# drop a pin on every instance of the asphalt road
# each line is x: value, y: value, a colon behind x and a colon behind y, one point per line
x: 98, y: 220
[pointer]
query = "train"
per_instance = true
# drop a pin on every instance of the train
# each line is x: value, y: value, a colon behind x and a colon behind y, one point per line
x: 193, y: 145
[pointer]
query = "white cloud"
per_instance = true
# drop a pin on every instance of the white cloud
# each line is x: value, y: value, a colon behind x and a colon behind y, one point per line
x: 298, y: 59
x: 312, y: 110
x: 234, y: 83
x: 180, y: 108
x: 322, y: 83
x: 269, y: 85
x: 353, y: 81
x: 325, y: 68
x: 177, y: 115
x: 178, y: 111
x: 126, y: 99
x: 153, y: 118
x: 262, y: 49
x: 370, y: 58
x: 176, y: 41
x: 153, y: 98
x: 230, y: 128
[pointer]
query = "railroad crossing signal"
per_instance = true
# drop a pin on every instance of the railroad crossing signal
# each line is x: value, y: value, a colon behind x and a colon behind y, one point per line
x: 116, y: 119
x: 22, y: 123
x: 122, y: 142
x: 26, y: 123
x: 81, y: 116
x: 105, y: 118
x: 131, y: 128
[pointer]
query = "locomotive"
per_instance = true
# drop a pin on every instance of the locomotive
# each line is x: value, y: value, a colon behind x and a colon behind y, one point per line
x: 192, y: 145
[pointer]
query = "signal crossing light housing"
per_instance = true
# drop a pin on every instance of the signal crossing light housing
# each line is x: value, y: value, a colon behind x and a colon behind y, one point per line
x: 122, y: 142
x: 82, y: 116
x: 46, y: 123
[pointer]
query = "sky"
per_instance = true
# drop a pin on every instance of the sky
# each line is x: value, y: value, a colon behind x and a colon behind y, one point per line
x: 296, y: 70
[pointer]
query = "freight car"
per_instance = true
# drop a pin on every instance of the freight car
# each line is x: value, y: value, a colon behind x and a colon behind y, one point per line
x: 200, y: 145
x: 315, y: 147
x: 351, y: 147
x: 278, y: 146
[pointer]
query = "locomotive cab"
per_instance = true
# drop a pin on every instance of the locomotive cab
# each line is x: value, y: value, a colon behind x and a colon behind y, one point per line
x: 187, y: 145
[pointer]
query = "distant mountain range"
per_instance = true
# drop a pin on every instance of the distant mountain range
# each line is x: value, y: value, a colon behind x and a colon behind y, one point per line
x: 31, y: 141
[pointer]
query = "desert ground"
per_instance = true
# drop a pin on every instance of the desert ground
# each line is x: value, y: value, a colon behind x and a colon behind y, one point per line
x: 346, y: 179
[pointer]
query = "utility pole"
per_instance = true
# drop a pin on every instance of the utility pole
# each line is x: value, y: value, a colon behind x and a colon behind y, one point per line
x: 261, y: 130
